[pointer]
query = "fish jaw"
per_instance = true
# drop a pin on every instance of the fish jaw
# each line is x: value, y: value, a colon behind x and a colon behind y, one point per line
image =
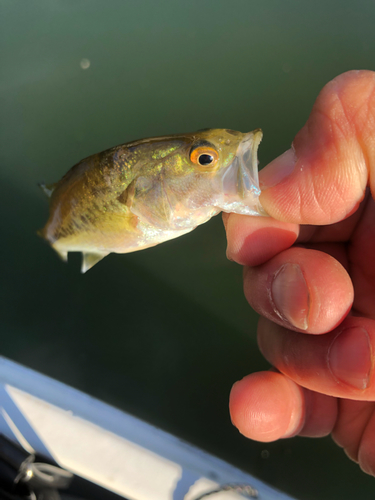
x: 239, y: 182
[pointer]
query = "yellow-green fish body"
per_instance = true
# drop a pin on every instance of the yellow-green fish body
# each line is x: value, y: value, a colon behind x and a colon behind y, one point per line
x: 145, y: 192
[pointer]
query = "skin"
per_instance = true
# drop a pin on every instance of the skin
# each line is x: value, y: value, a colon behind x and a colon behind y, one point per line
x: 309, y: 271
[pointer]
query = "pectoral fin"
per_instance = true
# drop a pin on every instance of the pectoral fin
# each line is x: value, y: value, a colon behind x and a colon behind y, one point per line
x: 151, y: 203
x: 127, y: 196
x: 90, y: 259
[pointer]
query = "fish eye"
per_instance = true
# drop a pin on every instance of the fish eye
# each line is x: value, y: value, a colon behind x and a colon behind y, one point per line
x: 204, y: 156
x: 205, y: 159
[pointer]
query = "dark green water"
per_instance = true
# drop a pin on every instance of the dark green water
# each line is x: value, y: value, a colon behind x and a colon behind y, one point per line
x: 165, y: 332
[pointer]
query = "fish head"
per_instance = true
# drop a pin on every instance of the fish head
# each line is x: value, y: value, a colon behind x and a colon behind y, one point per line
x: 197, y: 176
x: 235, y: 184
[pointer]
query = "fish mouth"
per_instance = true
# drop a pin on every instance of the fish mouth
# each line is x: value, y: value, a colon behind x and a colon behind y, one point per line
x: 240, y: 182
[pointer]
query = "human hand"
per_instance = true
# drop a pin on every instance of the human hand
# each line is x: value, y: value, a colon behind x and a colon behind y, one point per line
x: 310, y: 273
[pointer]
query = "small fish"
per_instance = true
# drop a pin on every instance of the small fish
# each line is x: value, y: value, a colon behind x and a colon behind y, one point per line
x: 142, y: 193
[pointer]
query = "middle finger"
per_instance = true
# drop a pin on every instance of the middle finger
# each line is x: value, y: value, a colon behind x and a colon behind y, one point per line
x: 300, y: 289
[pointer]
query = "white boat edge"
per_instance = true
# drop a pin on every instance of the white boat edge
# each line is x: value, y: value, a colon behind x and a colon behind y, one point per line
x: 108, y: 446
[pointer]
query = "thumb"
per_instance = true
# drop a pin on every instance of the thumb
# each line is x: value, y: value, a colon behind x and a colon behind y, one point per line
x: 323, y: 178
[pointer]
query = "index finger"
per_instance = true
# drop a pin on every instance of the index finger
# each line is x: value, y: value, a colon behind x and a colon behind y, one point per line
x: 323, y: 178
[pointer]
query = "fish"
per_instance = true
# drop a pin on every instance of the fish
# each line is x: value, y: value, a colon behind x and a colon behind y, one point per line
x: 142, y: 193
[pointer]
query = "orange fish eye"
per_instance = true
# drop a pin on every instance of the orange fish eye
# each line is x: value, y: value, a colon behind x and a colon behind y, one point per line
x: 204, y: 156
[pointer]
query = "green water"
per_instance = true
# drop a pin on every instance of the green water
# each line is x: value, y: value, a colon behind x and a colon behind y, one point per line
x: 165, y: 332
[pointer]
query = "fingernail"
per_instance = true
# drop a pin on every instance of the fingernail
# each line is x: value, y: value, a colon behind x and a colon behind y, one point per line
x: 277, y: 170
x: 349, y: 357
x: 290, y: 296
